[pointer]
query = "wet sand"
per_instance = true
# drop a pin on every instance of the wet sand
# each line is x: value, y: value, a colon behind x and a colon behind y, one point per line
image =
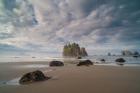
x: 72, y: 79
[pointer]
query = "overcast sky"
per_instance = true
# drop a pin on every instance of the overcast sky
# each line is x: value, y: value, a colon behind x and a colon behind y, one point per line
x: 42, y: 27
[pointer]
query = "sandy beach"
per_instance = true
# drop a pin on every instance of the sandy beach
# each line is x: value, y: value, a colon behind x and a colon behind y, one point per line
x: 69, y: 46
x: 73, y: 79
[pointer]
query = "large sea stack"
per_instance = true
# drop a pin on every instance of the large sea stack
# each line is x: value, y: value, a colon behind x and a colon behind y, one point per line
x: 74, y: 50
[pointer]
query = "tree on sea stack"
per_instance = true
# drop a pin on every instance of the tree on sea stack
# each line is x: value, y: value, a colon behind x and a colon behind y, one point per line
x: 74, y: 50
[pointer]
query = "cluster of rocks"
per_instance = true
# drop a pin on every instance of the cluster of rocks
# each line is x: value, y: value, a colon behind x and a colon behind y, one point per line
x: 80, y: 63
x: 74, y: 50
x: 36, y: 76
x: 130, y: 53
x: 119, y: 61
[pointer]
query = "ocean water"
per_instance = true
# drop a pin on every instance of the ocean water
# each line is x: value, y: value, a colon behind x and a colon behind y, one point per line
x: 109, y: 59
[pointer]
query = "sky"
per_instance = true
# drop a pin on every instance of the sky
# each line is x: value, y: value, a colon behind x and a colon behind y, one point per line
x: 42, y: 27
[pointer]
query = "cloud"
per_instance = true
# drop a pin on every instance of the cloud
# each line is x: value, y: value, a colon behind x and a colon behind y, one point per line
x: 46, y: 25
x: 18, y: 12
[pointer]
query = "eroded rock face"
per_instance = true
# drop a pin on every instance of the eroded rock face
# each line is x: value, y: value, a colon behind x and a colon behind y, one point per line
x: 56, y: 63
x: 85, y: 63
x: 32, y: 77
x: 83, y: 52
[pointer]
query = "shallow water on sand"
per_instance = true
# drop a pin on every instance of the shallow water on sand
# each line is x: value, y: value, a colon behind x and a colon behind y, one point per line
x: 10, y: 73
x: 109, y: 59
x: 32, y: 66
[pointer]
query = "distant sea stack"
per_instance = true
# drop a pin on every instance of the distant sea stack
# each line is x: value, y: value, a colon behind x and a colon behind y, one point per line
x: 74, y: 50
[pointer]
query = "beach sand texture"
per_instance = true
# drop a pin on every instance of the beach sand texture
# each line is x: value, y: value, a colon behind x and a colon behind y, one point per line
x: 73, y: 79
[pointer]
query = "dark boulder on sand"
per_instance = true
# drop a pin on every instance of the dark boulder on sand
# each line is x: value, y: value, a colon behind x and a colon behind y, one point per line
x: 32, y: 77
x: 121, y: 60
x: 85, y: 63
x: 103, y: 60
x: 56, y: 63
x: 135, y: 56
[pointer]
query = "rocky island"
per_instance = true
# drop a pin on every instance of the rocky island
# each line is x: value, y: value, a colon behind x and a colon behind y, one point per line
x: 74, y: 50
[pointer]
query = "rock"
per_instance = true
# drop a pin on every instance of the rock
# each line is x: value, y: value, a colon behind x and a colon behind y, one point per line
x: 79, y: 57
x: 83, y: 52
x: 127, y: 53
x: 32, y: 77
x: 136, y: 53
x: 56, y: 63
x: 74, y: 50
x: 102, y: 60
x: 121, y: 60
x: 109, y: 54
x: 135, y: 56
x: 85, y: 62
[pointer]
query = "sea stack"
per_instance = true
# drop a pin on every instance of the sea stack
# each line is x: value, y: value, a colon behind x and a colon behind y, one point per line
x: 74, y: 50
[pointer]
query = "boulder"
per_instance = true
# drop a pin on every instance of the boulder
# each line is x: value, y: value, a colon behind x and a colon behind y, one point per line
x: 135, y: 56
x: 79, y: 57
x: 85, y: 63
x: 32, y: 77
x: 56, y: 63
x: 121, y: 60
x: 102, y: 60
